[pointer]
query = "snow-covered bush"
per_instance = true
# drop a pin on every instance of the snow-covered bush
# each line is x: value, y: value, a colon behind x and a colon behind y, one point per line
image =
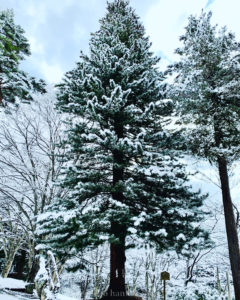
x: 47, y: 281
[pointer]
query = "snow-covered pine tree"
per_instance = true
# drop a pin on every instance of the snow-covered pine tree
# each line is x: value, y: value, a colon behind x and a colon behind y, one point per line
x: 13, y: 48
x: 123, y: 181
x: 207, y: 90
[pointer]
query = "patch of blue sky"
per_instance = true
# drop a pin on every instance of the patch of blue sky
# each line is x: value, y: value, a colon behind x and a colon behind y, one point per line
x: 210, y: 2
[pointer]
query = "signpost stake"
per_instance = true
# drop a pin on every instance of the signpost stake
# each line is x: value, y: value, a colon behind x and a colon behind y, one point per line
x: 165, y: 276
x: 164, y: 289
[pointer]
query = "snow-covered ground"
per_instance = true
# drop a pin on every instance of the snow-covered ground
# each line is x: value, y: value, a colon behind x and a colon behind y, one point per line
x: 5, y: 296
x: 10, y: 297
x: 11, y: 283
x: 63, y: 297
x: 7, y: 283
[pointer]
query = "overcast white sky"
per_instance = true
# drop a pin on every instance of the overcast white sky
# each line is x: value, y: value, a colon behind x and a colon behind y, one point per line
x: 59, y: 29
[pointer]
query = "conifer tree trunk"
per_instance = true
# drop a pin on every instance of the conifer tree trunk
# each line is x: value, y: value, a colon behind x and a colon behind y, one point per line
x: 231, y: 229
x: 117, y: 250
x: 230, y: 223
x: 117, y: 264
x: 1, y: 97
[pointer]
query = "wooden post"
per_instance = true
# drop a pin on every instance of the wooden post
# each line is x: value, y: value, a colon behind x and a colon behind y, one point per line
x: 164, y: 289
x: 165, y: 276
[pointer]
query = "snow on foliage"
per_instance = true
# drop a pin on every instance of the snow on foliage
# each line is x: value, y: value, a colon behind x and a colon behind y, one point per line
x: 16, y: 85
x: 29, y: 167
x: 118, y: 164
x: 206, y: 88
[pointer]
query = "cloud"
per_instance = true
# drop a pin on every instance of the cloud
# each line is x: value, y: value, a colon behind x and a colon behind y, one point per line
x: 37, y: 12
x: 165, y: 21
x: 58, y: 30
x: 36, y: 47
x: 42, y: 9
x: 53, y: 73
x: 226, y: 13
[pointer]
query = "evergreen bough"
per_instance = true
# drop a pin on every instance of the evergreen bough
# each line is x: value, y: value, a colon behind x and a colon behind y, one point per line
x: 15, y: 84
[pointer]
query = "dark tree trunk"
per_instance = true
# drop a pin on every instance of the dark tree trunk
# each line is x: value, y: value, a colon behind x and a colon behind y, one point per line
x: 1, y: 96
x: 117, y: 263
x: 33, y: 272
x: 20, y: 264
x: 231, y: 228
x: 118, y: 230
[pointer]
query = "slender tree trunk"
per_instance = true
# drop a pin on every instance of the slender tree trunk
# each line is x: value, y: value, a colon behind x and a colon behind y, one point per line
x: 230, y: 223
x: 33, y: 262
x: 231, y: 228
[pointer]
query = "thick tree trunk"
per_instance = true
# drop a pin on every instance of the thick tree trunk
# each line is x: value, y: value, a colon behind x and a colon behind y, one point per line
x: 117, y: 289
x: 231, y: 229
x: 117, y: 250
x: 117, y: 263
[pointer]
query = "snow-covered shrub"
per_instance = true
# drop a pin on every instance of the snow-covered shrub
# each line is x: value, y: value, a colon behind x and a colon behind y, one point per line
x: 92, y: 279
x: 197, y: 292
x: 47, y: 279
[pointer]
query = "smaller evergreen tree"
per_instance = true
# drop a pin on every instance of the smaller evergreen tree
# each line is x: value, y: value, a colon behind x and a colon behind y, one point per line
x: 14, y: 47
x: 123, y: 181
x: 207, y: 91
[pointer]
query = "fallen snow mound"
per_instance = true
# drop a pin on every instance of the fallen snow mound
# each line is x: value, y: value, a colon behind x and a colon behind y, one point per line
x: 7, y: 297
x: 11, y: 283
x: 17, y: 297
x: 63, y: 297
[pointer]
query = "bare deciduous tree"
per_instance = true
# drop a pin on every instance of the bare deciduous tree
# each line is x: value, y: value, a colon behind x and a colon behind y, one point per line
x: 29, y: 166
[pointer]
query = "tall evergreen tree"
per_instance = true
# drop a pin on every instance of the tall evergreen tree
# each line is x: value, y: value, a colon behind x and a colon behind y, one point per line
x: 207, y: 89
x: 13, y: 49
x: 123, y: 181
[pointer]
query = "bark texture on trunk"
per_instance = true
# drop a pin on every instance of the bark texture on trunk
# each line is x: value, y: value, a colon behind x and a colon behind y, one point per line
x: 117, y: 265
x: 230, y: 223
x: 118, y: 230
x: 33, y: 271
x: 231, y: 229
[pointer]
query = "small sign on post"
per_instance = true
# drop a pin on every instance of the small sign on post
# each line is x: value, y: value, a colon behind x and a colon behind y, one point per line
x: 165, y: 276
